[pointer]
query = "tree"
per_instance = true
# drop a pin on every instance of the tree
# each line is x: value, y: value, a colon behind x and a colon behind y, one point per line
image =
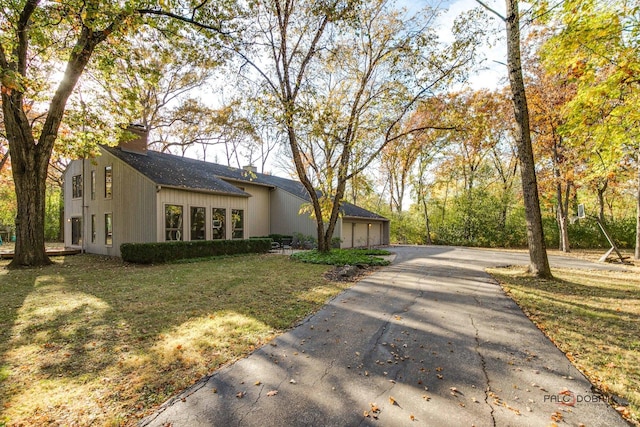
x: 549, y: 93
x: 539, y: 262
x: 344, y: 76
x: 37, y: 37
x: 596, y: 45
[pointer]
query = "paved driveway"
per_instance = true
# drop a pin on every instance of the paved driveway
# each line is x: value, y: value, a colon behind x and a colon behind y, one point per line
x: 430, y: 340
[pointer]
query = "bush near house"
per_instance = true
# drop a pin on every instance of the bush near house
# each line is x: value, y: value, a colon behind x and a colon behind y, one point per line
x: 154, y: 253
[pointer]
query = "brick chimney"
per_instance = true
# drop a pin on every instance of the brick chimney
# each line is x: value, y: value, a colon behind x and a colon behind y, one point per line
x: 138, y: 144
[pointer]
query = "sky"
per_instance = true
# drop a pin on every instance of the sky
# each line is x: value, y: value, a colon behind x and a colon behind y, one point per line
x: 493, y: 72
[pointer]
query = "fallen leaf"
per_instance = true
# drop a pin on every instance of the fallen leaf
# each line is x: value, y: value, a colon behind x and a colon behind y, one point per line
x: 412, y: 418
x: 425, y: 397
x: 258, y: 383
x: 240, y: 395
x: 272, y: 393
x: 292, y: 381
x: 393, y: 401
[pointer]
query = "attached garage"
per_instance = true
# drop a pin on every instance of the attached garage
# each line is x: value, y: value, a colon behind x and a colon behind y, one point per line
x: 358, y: 232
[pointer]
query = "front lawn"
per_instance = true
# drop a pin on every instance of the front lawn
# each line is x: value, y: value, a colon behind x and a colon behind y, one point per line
x: 93, y: 341
x: 592, y: 316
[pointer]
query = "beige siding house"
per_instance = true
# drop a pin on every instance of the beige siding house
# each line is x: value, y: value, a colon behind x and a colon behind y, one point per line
x: 130, y: 194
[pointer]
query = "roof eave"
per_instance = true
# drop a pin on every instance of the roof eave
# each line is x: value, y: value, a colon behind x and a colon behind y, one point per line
x: 202, y: 190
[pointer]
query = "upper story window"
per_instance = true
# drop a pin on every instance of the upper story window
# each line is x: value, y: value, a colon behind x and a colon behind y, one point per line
x: 108, y: 182
x: 93, y: 185
x: 76, y: 186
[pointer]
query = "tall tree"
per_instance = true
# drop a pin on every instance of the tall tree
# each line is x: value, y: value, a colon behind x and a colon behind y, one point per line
x: 539, y: 262
x: 345, y: 76
x: 37, y: 38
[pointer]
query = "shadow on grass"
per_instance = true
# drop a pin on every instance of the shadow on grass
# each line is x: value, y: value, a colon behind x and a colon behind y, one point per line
x: 133, y: 335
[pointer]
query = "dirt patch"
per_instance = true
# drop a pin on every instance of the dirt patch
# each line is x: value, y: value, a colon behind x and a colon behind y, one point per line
x: 350, y: 273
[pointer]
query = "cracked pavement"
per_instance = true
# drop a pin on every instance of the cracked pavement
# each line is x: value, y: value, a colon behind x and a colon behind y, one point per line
x: 430, y: 340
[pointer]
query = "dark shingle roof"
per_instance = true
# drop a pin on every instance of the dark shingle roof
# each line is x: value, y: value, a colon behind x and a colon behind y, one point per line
x: 294, y: 187
x: 175, y: 171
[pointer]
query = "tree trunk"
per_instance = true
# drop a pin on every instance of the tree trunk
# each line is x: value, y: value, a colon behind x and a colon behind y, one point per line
x: 426, y: 222
x: 637, y: 251
x: 539, y: 265
x: 562, y: 217
x: 30, y: 176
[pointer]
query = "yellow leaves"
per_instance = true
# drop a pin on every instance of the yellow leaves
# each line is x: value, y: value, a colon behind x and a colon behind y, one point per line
x: 373, y: 412
x: 393, y: 401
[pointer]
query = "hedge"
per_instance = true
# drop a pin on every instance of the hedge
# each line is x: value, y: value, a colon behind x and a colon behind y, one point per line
x: 153, y: 253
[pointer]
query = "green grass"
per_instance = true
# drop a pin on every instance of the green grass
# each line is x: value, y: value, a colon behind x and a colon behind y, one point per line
x: 369, y: 257
x: 90, y: 340
x: 592, y: 316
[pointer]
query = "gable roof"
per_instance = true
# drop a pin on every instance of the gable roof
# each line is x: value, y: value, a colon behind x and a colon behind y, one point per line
x: 177, y: 172
x: 181, y: 172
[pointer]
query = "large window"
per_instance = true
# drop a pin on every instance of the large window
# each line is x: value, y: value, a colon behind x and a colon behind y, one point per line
x: 76, y: 186
x: 108, y: 229
x: 173, y: 222
x: 237, y: 217
x: 93, y: 228
x: 218, y: 221
x: 198, y: 223
x: 108, y: 182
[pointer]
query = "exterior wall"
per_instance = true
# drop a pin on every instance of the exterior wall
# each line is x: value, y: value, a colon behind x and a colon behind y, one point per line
x: 285, y: 218
x: 259, y: 210
x: 189, y: 199
x: 131, y: 205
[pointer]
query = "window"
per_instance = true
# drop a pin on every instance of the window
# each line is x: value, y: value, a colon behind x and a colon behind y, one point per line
x: 93, y: 185
x: 218, y: 221
x: 76, y: 186
x: 93, y: 228
x: 108, y: 229
x: 237, y: 224
x: 76, y: 231
x: 173, y: 222
x: 198, y: 221
x: 108, y: 182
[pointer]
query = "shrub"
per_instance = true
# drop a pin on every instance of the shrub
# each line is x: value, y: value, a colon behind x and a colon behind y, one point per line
x: 343, y: 257
x: 153, y: 253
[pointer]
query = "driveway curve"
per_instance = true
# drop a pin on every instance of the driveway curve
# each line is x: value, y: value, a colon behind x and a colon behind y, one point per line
x: 431, y: 340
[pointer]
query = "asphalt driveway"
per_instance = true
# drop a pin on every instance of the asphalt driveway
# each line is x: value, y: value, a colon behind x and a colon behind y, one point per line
x: 431, y: 340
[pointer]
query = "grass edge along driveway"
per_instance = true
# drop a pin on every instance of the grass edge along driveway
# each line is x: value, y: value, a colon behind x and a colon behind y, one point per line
x: 90, y: 340
x: 594, y: 318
